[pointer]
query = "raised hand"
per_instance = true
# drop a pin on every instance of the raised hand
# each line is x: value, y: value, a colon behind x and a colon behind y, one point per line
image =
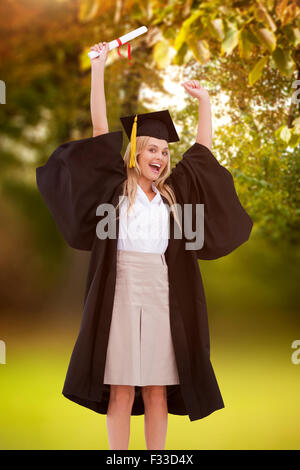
x: 194, y: 89
x: 101, y: 47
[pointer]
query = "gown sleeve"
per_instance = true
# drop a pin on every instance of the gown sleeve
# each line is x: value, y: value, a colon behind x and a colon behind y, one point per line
x: 78, y: 176
x: 198, y: 178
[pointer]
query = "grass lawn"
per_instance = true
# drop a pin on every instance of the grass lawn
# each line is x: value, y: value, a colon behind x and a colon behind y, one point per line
x: 259, y: 384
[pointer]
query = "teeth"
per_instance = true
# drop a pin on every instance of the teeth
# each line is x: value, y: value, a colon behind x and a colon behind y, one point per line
x: 156, y: 164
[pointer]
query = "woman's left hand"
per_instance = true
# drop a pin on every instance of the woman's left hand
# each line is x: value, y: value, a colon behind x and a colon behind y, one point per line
x: 194, y: 89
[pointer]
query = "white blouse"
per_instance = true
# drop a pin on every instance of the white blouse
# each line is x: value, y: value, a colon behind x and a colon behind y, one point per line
x: 146, y: 228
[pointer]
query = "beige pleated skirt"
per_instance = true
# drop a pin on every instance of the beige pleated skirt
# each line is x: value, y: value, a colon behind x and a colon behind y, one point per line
x: 140, y: 349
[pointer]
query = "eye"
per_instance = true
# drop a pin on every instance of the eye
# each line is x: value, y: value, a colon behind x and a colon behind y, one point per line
x: 165, y: 152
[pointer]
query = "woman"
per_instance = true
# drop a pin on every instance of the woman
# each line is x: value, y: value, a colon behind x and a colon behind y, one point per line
x: 143, y: 345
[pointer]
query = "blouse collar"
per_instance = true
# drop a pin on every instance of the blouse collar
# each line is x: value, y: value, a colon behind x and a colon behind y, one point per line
x: 144, y: 198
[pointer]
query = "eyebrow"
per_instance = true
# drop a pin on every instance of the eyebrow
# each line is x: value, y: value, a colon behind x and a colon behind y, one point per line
x: 153, y: 145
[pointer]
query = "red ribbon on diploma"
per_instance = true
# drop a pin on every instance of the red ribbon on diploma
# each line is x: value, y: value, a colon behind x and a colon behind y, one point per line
x: 128, y: 50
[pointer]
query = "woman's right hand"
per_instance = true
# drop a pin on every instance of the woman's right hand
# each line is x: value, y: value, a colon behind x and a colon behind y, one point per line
x: 101, y: 47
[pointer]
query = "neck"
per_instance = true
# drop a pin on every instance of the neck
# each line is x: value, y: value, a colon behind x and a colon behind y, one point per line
x: 146, y: 185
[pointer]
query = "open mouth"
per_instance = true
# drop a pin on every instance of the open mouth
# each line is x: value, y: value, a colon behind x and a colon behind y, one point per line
x: 155, y: 168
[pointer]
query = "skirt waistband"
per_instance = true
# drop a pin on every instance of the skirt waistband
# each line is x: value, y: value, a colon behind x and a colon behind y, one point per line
x: 141, y: 257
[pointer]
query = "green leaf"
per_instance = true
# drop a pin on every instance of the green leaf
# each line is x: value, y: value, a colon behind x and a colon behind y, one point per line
x: 296, y: 32
x: 278, y: 131
x: 257, y: 70
x: 162, y: 54
x: 294, y: 140
x: 291, y: 34
x: 262, y: 15
x: 252, y: 35
x: 182, y: 35
x: 178, y: 59
x: 245, y: 44
x: 267, y: 38
x: 284, y: 133
x: 283, y: 61
x: 230, y: 41
x: 200, y: 50
x: 216, y: 28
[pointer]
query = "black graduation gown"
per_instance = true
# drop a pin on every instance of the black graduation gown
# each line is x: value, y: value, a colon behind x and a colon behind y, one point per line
x: 82, y: 174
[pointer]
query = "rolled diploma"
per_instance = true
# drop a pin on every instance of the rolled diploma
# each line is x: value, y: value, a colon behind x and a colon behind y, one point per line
x: 127, y: 37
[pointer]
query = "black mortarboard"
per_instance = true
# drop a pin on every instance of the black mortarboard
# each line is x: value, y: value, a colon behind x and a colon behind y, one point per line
x: 158, y: 124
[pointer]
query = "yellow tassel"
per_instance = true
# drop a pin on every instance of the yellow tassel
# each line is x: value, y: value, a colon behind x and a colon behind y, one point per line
x: 133, y: 144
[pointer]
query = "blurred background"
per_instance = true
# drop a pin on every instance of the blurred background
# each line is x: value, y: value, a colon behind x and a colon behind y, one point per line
x: 247, y: 55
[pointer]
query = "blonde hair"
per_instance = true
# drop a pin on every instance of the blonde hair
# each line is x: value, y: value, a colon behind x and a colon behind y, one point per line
x: 133, y: 174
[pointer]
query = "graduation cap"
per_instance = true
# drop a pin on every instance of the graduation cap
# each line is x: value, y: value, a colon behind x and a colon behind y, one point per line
x: 158, y: 124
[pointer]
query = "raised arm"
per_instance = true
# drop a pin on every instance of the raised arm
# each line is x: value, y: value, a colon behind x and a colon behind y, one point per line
x: 98, y: 104
x: 204, y: 131
x: 199, y: 179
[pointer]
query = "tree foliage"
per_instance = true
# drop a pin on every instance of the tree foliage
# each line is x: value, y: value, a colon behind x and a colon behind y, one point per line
x: 245, y: 50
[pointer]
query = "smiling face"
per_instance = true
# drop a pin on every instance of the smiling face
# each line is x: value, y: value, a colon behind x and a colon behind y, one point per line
x: 154, y: 159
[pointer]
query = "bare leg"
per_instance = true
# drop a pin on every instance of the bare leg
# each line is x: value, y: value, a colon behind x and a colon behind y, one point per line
x: 118, y: 416
x: 156, y: 415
